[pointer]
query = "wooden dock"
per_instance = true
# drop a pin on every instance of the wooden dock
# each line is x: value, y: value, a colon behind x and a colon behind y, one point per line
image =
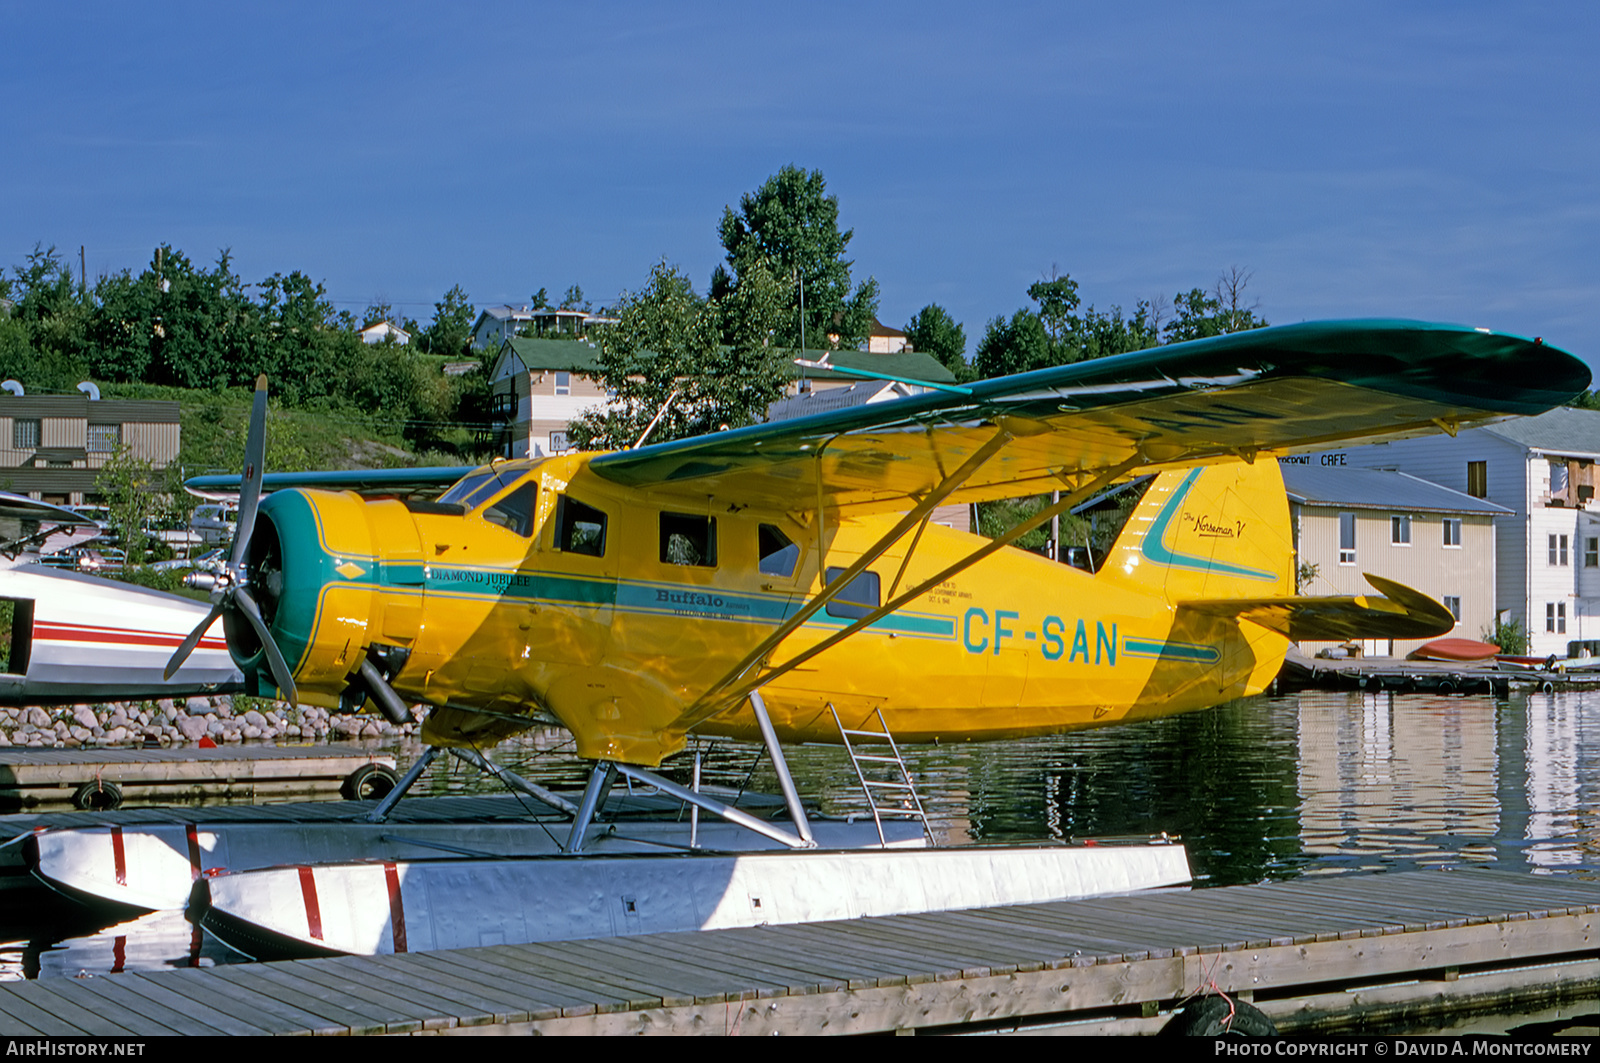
x: 1398, y: 676
x: 1344, y: 953
x: 50, y: 778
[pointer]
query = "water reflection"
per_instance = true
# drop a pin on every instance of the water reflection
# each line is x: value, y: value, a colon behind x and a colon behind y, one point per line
x: 1313, y: 784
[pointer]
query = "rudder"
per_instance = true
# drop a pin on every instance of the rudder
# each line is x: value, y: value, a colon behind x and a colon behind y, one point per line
x: 1218, y: 531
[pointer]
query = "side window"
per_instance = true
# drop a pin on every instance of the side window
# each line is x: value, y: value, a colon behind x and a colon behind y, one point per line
x: 779, y: 554
x: 860, y: 597
x: 515, y: 511
x: 580, y: 529
x: 687, y: 540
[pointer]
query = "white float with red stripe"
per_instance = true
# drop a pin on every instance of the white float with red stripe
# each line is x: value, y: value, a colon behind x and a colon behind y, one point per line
x: 416, y: 906
x: 154, y: 866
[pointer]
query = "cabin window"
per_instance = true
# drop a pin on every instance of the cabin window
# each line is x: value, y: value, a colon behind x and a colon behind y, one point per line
x: 860, y: 596
x: 688, y: 540
x: 779, y: 554
x: 1400, y: 530
x: 1478, y: 479
x: 514, y: 512
x: 1453, y: 603
x: 580, y: 529
x: 1452, y: 531
x: 1347, y: 538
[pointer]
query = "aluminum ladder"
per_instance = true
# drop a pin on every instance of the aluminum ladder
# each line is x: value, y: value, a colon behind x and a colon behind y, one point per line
x: 886, y: 774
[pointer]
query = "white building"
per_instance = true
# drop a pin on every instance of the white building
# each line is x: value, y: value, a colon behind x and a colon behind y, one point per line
x: 1352, y: 521
x: 380, y: 331
x: 1547, y: 547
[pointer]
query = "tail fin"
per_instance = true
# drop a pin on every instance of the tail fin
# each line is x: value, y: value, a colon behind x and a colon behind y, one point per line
x: 1219, y: 531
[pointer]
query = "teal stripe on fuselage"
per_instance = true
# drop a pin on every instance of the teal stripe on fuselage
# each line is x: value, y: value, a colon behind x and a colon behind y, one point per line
x: 630, y: 596
x: 1182, y: 651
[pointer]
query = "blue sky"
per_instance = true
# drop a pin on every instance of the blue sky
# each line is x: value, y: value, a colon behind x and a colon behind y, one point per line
x: 1429, y: 160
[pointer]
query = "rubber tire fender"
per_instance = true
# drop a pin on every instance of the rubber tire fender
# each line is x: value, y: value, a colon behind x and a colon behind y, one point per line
x: 1208, y: 1017
x: 97, y: 795
x: 370, y: 782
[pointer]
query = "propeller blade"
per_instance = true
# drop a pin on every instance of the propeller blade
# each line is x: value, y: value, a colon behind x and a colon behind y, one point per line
x: 185, y: 648
x: 255, y: 455
x: 280, y: 668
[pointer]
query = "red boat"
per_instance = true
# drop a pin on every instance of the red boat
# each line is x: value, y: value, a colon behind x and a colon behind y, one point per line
x: 1454, y: 650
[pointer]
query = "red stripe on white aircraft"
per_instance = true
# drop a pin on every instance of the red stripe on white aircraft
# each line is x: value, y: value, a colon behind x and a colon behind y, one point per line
x: 50, y: 632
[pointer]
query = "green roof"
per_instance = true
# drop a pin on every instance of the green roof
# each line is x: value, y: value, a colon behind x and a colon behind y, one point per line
x: 572, y: 355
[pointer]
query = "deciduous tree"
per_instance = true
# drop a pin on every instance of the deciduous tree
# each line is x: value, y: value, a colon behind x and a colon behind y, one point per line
x: 790, y: 226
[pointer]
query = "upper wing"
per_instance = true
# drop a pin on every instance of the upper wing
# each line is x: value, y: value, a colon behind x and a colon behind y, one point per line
x: 428, y: 479
x: 1291, y: 388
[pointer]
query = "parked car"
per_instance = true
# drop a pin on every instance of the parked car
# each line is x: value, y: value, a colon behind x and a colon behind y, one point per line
x: 215, y: 523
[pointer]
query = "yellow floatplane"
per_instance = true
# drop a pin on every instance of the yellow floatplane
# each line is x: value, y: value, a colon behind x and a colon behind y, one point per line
x: 784, y: 582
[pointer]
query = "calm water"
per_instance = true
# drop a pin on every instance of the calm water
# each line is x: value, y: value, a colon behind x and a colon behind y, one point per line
x: 1313, y: 784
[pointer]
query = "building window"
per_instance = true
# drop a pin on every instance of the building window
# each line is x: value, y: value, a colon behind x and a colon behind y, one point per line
x: 1347, y: 538
x: 1591, y: 553
x: 104, y: 438
x: 1555, y: 617
x: 1452, y: 532
x: 25, y: 435
x: 563, y: 383
x: 1558, y: 549
x: 1453, y: 603
x: 1478, y: 479
x: 1400, y: 530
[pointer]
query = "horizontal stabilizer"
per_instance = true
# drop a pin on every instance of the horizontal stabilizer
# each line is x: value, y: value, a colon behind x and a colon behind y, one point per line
x: 1401, y: 613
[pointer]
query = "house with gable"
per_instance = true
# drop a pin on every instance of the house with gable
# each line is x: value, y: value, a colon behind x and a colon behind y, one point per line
x: 1547, y: 546
x: 1350, y: 521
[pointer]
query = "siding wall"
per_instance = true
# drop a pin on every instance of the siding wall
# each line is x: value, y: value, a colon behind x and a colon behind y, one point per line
x: 1465, y: 572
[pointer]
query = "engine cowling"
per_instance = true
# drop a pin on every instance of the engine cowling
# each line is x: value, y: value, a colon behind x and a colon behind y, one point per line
x: 335, y: 576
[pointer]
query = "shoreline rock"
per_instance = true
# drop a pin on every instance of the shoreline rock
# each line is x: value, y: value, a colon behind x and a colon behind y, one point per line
x: 184, y: 721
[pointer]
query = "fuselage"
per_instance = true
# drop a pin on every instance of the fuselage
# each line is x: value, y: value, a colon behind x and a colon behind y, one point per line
x: 540, y: 589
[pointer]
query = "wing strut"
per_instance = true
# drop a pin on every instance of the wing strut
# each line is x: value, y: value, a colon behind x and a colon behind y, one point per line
x: 927, y: 505
x: 726, y: 692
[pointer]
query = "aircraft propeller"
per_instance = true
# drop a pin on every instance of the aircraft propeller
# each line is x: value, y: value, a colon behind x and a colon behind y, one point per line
x: 231, y: 587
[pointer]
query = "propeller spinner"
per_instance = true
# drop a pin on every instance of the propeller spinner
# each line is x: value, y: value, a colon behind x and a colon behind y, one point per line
x: 231, y: 596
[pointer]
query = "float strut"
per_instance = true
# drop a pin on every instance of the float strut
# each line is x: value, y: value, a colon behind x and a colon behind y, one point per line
x: 392, y: 798
x: 791, y: 796
x: 515, y: 781
x: 594, y: 795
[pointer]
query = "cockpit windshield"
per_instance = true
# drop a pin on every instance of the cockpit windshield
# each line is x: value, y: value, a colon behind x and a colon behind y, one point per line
x: 474, y: 489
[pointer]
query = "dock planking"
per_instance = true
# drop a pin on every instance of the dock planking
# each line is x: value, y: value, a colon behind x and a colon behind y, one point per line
x: 1045, y: 963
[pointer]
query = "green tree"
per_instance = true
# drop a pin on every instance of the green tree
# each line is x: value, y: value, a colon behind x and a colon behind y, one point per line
x: 1015, y: 346
x: 135, y: 491
x: 790, y: 226
x: 450, y: 331
x: 666, y: 356
x: 933, y: 331
x: 1218, y: 312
